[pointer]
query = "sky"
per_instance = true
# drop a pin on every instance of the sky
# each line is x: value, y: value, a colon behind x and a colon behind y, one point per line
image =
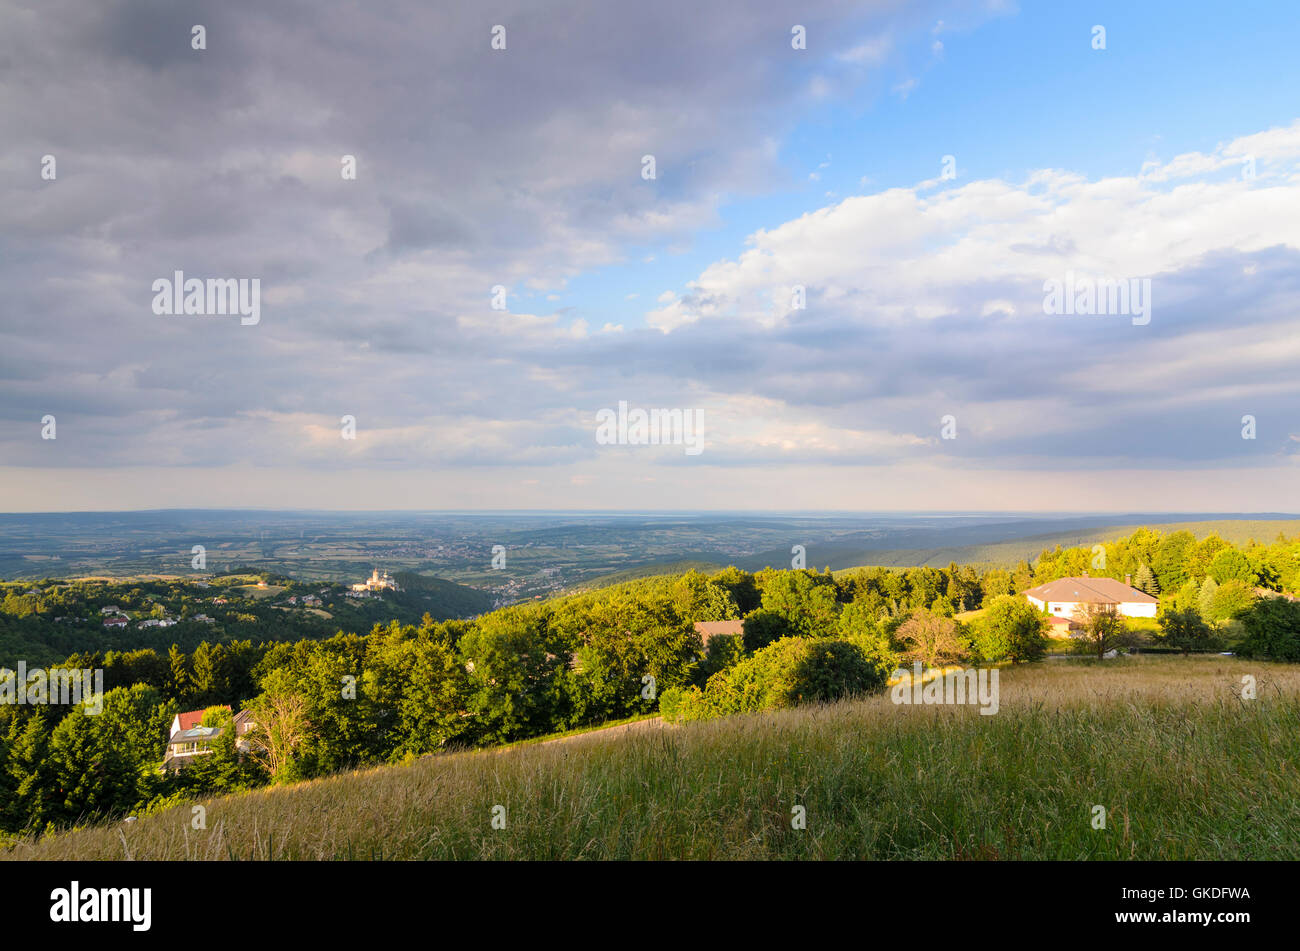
x: 840, y: 267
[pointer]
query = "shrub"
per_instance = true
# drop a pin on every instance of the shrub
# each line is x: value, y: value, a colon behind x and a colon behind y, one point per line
x: 1186, y: 630
x: 215, y: 716
x: 788, y: 672
x: 1011, y: 629
x: 671, y: 702
x: 725, y: 650
x: 932, y: 639
x: 763, y: 627
x: 1272, y: 628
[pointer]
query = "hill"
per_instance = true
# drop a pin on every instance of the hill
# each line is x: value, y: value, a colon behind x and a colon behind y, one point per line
x: 1184, y: 769
x: 45, y: 623
x: 1007, y: 553
x: 653, y: 570
x: 440, y: 598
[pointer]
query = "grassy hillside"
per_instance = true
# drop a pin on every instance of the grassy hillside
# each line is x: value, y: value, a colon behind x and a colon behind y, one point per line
x: 1184, y: 768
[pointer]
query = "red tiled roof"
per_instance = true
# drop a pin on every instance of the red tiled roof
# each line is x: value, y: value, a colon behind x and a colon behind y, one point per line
x: 192, y: 719
x: 1090, y: 591
x: 709, y: 629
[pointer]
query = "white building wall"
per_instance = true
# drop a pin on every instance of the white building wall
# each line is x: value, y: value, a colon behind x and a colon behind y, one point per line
x: 1135, y: 609
x: 1067, y: 609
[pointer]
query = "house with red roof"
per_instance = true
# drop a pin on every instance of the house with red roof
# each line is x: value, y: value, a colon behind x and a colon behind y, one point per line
x: 1062, y: 597
x: 190, y: 738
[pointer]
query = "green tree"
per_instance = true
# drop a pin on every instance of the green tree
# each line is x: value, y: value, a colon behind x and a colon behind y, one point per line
x: 210, y: 673
x: 33, y: 798
x: 1272, y: 629
x: 932, y: 639
x: 1145, y: 581
x: 105, y: 764
x: 1011, y: 629
x: 805, y: 599
x: 422, y: 691
x: 698, y: 598
x: 1172, y: 559
x: 1231, y: 565
x: 180, y: 681
x: 282, y: 726
x: 1101, y: 630
x: 514, y: 675
x: 1233, y: 599
x: 1186, y: 630
x: 762, y: 627
x: 1205, y: 599
x: 742, y: 587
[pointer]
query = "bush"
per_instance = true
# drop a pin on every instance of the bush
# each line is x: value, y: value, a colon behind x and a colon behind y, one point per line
x: 725, y: 650
x: 215, y: 716
x: 763, y: 627
x: 788, y: 672
x: 1186, y: 630
x: 1272, y: 628
x: 932, y: 638
x: 671, y: 702
x: 1011, y: 629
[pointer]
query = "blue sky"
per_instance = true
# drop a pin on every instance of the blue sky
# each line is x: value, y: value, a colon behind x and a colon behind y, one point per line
x: 1017, y: 90
x: 778, y: 170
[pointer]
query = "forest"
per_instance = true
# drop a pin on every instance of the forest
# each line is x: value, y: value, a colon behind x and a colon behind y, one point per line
x: 399, y: 689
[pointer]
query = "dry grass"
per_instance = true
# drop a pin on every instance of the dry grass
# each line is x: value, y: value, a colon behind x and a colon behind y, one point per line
x: 1184, y: 768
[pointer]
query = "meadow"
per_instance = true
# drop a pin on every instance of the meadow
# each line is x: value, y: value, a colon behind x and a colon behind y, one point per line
x: 1185, y: 766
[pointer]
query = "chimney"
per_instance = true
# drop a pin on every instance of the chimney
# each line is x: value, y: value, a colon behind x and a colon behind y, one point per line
x: 1128, y: 580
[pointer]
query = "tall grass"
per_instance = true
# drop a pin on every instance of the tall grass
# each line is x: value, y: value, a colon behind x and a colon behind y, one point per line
x: 1184, y: 768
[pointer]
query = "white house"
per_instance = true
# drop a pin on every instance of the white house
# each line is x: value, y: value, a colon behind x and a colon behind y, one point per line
x: 1063, y: 596
x: 190, y: 739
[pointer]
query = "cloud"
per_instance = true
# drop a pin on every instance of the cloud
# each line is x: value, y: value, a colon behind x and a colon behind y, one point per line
x: 523, y: 169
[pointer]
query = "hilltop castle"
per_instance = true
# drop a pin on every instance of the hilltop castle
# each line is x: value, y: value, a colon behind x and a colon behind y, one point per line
x: 377, y: 582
